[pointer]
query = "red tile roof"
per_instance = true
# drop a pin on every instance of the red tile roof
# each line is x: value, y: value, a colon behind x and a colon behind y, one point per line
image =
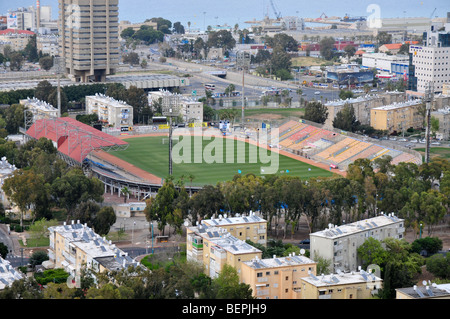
x: 14, y: 31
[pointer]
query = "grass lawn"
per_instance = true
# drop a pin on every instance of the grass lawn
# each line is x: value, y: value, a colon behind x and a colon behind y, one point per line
x: 308, y: 61
x: 149, y: 154
x: 436, y: 151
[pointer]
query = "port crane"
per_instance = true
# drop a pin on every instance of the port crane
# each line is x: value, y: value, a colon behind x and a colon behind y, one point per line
x: 277, y: 13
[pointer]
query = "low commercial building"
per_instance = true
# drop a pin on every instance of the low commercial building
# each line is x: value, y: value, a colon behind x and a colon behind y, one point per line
x: 393, y: 64
x: 8, y: 274
x: 352, y: 285
x: 251, y: 227
x: 113, y: 113
x: 213, y: 247
x: 74, y: 246
x: 432, y: 291
x: 397, y: 117
x: 340, y: 243
x: 277, y: 278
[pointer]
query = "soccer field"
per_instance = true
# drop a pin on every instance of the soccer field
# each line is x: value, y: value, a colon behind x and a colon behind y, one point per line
x: 151, y: 155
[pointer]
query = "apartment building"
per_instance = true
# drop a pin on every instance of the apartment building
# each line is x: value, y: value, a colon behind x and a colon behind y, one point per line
x: 191, y: 111
x: 110, y: 111
x: 48, y: 44
x: 89, y: 38
x: 431, y: 61
x: 340, y: 243
x: 213, y: 247
x: 74, y: 246
x: 443, y: 116
x: 8, y: 274
x: 397, y: 117
x: 16, y: 39
x: 352, y: 285
x: 40, y: 109
x: 277, y: 278
x: 250, y: 227
x: 428, y: 291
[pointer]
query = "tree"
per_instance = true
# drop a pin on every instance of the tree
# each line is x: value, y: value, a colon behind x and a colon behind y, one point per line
x: 39, y: 229
x: 23, y: 188
x: 344, y: 95
x: 131, y: 58
x: 74, y: 188
x: 327, y: 48
x: 221, y: 39
x: 46, y: 62
x: 3, y: 250
x: 345, y: 119
x: 38, y: 257
x: 372, y: 252
x: 103, y: 221
x: 316, y: 112
x: 383, y: 38
x: 178, y: 28
x: 228, y: 285
x: 350, y: 50
x: 127, y: 33
x: 43, y: 90
x: 282, y: 40
x: 431, y: 244
x: 439, y: 265
x: 279, y: 60
x: 16, y: 61
x: 30, y: 50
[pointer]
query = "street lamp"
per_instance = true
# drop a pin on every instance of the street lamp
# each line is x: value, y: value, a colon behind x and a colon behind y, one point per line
x: 132, y: 234
x: 420, y: 235
x: 243, y: 61
x: 171, y: 108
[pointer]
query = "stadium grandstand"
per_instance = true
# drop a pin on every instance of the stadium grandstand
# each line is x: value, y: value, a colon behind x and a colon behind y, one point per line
x: 337, y: 148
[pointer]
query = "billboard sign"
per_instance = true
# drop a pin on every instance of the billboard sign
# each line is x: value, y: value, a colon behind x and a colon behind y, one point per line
x: 12, y: 21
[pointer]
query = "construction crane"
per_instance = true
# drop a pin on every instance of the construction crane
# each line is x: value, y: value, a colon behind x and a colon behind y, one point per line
x: 277, y: 13
x: 431, y: 16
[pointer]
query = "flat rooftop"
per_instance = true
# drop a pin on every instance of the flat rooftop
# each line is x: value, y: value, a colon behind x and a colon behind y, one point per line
x: 398, y: 105
x: 223, y: 239
x: 364, y: 225
x: 227, y: 221
x: 279, y: 262
x: 8, y: 274
x: 429, y: 291
x: 341, y: 279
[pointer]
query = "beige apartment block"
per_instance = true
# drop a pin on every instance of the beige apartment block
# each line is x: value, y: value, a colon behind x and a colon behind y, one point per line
x: 250, y: 227
x: 353, y: 285
x: 74, y: 246
x: 40, y: 109
x: 277, y: 278
x: 397, y: 117
x: 340, y: 243
x: 213, y: 247
x: 89, y: 38
x: 428, y: 291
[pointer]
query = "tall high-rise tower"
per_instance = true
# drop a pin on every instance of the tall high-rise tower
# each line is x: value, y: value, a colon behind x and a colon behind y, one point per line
x: 89, y: 38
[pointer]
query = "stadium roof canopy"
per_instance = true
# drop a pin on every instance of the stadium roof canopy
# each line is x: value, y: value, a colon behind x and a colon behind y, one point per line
x: 74, y: 139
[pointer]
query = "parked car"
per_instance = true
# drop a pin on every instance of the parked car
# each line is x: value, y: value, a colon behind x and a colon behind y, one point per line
x: 317, y: 93
x: 305, y: 242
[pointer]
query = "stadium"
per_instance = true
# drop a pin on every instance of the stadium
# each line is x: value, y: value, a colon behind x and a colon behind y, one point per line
x: 140, y: 162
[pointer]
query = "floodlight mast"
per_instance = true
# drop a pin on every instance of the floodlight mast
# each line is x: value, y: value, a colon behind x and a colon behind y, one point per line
x: 428, y: 100
x: 243, y: 61
x: 171, y: 108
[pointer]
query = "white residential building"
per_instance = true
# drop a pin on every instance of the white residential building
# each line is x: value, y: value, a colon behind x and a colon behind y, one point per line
x: 431, y: 60
x: 190, y: 110
x: 40, y: 109
x: 340, y: 243
x: 74, y: 246
x: 117, y: 114
x: 8, y: 274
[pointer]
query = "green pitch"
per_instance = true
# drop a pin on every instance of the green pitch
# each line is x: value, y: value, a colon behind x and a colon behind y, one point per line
x: 151, y: 155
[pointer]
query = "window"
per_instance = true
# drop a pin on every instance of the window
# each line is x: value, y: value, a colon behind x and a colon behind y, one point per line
x: 259, y: 274
x: 267, y: 273
x: 287, y: 277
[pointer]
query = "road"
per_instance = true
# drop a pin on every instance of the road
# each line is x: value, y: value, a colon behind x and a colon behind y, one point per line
x: 15, y: 253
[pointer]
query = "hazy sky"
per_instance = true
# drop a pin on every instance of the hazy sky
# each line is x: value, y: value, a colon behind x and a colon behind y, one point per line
x: 239, y: 11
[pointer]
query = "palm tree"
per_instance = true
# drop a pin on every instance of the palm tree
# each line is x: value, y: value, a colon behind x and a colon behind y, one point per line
x: 126, y: 192
x: 191, y: 178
